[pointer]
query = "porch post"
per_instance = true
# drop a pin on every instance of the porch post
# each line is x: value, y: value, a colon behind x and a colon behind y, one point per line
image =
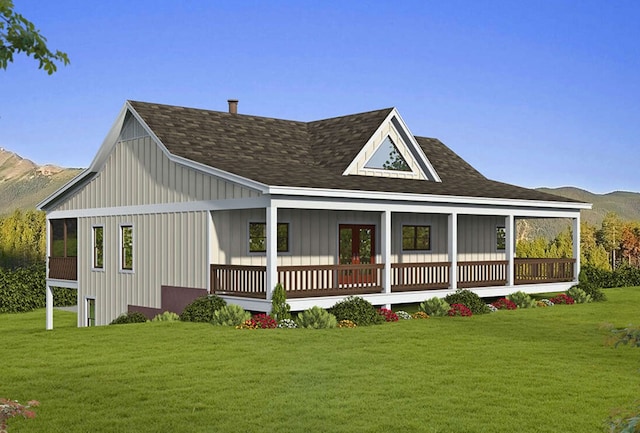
x: 272, y: 249
x: 576, y: 248
x: 49, y: 306
x: 385, y: 237
x: 453, y: 250
x: 509, y: 245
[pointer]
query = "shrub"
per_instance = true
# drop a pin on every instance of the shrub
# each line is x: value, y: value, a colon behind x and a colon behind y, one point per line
x: 419, y: 315
x: 130, y: 317
x: 522, y: 300
x: 403, y: 315
x: 264, y: 321
x: 504, y: 304
x: 287, y: 323
x: 346, y: 324
x: 230, y: 315
x: 562, y: 298
x: 279, y: 308
x: 469, y: 299
x: 358, y: 310
x: 578, y: 295
x: 544, y: 303
x: 459, y: 310
x: 167, y: 316
x: 624, y: 421
x: 202, y: 309
x: 435, y: 307
x: 317, y: 318
x: 596, y: 293
x: 389, y: 316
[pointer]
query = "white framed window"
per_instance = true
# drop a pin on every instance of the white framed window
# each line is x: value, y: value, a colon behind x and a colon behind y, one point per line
x: 90, y: 312
x: 127, y: 241
x: 258, y: 237
x: 97, y: 261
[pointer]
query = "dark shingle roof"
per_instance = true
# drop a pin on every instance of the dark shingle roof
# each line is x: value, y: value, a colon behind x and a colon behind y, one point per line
x: 279, y: 152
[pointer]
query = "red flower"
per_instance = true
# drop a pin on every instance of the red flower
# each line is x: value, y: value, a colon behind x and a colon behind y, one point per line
x: 459, y: 310
x: 562, y: 298
x: 264, y: 321
x: 504, y: 304
x: 389, y: 315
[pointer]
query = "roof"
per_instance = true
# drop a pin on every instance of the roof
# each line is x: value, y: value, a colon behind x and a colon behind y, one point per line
x: 288, y: 153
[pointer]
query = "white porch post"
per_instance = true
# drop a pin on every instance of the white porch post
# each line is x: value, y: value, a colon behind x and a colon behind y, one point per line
x: 49, y: 304
x: 576, y: 248
x: 385, y: 237
x: 453, y: 250
x: 272, y: 249
x: 510, y: 246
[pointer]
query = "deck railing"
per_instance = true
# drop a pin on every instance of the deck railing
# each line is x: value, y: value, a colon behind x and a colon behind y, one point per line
x: 330, y: 280
x: 63, y: 268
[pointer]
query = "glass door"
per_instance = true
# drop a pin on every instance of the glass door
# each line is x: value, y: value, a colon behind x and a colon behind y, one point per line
x: 357, y: 246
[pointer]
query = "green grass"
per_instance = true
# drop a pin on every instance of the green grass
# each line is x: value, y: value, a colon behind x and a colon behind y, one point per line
x: 536, y: 370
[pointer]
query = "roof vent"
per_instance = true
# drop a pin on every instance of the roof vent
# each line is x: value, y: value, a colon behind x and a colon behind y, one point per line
x: 233, y: 106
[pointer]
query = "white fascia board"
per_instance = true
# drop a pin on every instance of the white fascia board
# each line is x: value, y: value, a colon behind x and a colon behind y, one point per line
x: 77, y: 179
x: 421, y: 198
x: 417, y: 147
x: 192, y: 206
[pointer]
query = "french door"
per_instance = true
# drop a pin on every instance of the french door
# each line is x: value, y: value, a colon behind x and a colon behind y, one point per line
x: 357, y: 247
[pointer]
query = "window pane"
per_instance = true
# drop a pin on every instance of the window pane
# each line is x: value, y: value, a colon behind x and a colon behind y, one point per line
x: 57, y: 238
x: 423, y: 238
x: 257, y: 237
x: 98, y: 247
x: 127, y: 247
x: 91, y: 312
x: 500, y: 238
x: 72, y: 237
x: 283, y: 237
x: 387, y: 157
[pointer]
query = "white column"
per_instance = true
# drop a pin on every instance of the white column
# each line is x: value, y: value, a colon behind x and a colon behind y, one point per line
x: 509, y: 247
x: 576, y: 248
x: 49, y: 304
x: 272, y: 249
x: 385, y: 224
x: 453, y: 250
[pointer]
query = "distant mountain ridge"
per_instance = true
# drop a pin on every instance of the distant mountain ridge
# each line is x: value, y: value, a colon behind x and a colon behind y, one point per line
x: 24, y: 184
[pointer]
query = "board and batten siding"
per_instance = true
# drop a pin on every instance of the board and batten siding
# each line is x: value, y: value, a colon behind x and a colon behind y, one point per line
x: 168, y: 249
x: 138, y: 172
x: 477, y: 239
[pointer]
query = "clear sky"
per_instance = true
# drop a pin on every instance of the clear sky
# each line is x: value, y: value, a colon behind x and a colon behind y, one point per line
x: 534, y: 93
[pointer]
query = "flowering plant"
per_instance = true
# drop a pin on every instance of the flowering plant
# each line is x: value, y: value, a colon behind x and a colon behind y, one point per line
x: 459, y: 310
x: 562, y: 298
x: 420, y: 315
x: 388, y: 315
x: 403, y: 315
x: 346, y: 324
x: 545, y: 303
x: 491, y: 308
x: 287, y: 323
x: 248, y: 324
x: 504, y: 304
x: 11, y: 408
x: 264, y: 321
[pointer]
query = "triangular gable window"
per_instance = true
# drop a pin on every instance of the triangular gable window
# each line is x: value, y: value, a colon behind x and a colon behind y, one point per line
x: 388, y: 157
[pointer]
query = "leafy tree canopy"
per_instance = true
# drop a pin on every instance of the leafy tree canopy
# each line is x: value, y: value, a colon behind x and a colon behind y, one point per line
x: 19, y: 35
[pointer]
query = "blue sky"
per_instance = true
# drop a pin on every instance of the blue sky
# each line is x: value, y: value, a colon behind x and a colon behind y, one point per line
x: 534, y: 93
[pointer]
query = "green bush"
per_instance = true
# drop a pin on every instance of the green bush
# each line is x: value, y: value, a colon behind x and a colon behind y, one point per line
x: 130, y: 317
x: 316, y: 318
x: 280, y: 310
x: 230, y: 315
x: 623, y: 276
x: 435, y: 307
x: 202, y: 309
x: 469, y: 300
x: 166, y: 316
x: 358, y: 310
x: 522, y: 300
x: 24, y: 289
x: 579, y: 296
x: 596, y: 293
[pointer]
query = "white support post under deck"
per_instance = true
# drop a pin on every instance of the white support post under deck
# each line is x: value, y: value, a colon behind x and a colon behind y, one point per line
x: 452, y: 238
x: 49, y: 305
x: 576, y: 248
x: 510, y: 246
x: 385, y: 237
x: 272, y: 249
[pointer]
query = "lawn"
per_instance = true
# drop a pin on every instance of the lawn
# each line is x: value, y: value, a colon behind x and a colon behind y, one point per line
x: 537, y: 370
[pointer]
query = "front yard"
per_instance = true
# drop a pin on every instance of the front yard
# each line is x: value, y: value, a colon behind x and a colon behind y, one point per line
x: 531, y: 370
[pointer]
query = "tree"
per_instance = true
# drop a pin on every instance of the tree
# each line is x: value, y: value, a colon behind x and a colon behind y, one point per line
x: 19, y: 35
x: 609, y: 235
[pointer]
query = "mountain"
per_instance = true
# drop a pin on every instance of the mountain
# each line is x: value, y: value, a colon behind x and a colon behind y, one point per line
x: 23, y: 183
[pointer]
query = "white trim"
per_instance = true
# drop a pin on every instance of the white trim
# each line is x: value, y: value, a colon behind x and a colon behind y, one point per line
x: 272, y: 249
x: 49, y: 307
x: 452, y: 249
x: 420, y: 152
x: 69, y: 284
x: 121, y: 269
x: 385, y: 241
x: 510, y: 246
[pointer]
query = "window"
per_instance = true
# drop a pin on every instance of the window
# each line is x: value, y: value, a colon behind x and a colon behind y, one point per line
x: 91, y: 312
x: 501, y: 239
x: 258, y: 237
x: 387, y: 157
x: 64, y: 238
x: 415, y: 238
x: 126, y: 248
x: 98, y: 247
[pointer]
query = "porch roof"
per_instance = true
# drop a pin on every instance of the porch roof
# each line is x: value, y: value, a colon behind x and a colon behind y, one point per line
x: 287, y: 153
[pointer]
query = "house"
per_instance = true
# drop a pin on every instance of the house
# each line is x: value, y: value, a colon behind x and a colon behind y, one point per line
x: 181, y: 202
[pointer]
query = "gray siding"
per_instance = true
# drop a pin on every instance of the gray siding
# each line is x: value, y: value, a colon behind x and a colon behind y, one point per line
x: 169, y: 249
x: 477, y: 237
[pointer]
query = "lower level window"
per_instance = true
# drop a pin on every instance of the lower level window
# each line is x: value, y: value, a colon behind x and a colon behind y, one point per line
x: 258, y: 237
x: 416, y: 238
x: 91, y: 312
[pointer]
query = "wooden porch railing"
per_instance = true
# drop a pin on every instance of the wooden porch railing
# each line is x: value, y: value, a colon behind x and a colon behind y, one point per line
x: 330, y: 280
x: 406, y: 277
x: 531, y: 271
x: 63, y: 268
x: 482, y: 274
